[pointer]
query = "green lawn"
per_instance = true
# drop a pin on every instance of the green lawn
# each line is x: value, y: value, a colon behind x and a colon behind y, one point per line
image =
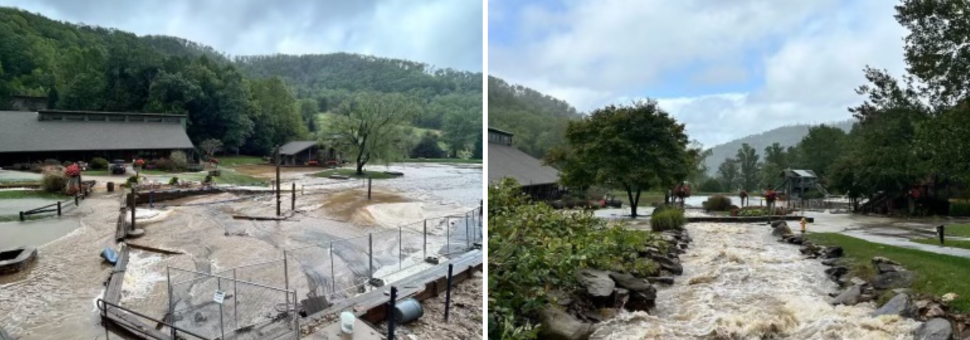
x: 442, y: 160
x: 962, y: 230
x: 353, y: 173
x: 231, y: 161
x: 937, y: 274
x: 95, y: 172
x: 949, y: 243
x: 18, y: 194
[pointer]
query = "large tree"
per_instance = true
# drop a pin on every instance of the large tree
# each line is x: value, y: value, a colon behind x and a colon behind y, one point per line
x: 370, y: 125
x: 937, y: 47
x: 729, y: 174
x: 819, y: 149
x: 749, y: 168
x: 633, y: 148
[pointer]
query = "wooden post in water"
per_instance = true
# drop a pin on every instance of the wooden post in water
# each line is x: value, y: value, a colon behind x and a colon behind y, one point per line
x: 293, y: 200
x: 132, y: 208
x: 368, y: 188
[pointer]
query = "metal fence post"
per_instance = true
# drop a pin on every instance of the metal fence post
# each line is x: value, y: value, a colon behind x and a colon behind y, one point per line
x: 286, y: 272
x: 222, y: 323
x: 370, y: 254
x: 235, y: 299
x: 58, y: 208
x: 448, y: 292
x: 171, y: 309
x: 400, y: 247
x: 468, y: 240
x: 425, y: 251
x: 368, y: 188
x: 293, y: 201
x: 448, y: 235
x: 333, y: 277
x: 390, y: 313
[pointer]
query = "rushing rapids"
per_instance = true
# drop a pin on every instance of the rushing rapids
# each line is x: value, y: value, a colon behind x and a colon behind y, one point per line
x: 741, y: 283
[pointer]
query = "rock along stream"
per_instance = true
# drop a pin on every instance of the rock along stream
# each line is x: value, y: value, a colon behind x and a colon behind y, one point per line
x: 739, y: 282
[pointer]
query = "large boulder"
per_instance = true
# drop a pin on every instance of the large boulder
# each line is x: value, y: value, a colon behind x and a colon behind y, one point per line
x: 630, y: 282
x: 642, y: 301
x: 670, y: 265
x: 794, y: 239
x: 835, y: 273
x: 934, y: 329
x: 667, y: 280
x: 883, y: 268
x: 781, y: 229
x: 849, y: 297
x: 832, y: 253
x: 903, y: 279
x: 597, y: 283
x: 879, y: 259
x: 901, y: 305
x: 559, y: 325
x: 830, y: 262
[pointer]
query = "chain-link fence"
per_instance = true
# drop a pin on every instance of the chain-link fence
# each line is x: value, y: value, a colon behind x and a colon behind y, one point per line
x: 221, y: 306
x: 342, y: 268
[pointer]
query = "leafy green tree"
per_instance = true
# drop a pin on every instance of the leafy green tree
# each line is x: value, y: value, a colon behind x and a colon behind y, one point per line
x: 729, y: 173
x: 936, y: 47
x: 749, y: 168
x: 369, y: 125
x: 538, y: 120
x: 634, y: 148
x: 428, y: 147
x: 698, y: 162
x: 478, y: 151
x: 819, y: 149
x: 459, y: 131
x: 776, y: 160
x: 309, y: 110
x: 277, y: 115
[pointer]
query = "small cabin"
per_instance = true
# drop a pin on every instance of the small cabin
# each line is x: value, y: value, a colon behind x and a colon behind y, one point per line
x: 299, y: 152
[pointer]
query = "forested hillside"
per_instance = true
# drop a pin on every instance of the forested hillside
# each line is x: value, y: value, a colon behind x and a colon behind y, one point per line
x: 785, y: 136
x: 537, y: 120
x: 249, y: 103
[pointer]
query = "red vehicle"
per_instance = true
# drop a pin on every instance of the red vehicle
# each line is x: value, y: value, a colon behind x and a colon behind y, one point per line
x: 312, y: 163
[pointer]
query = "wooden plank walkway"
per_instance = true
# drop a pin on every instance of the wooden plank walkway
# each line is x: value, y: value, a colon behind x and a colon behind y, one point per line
x: 429, y: 283
x: 113, y: 291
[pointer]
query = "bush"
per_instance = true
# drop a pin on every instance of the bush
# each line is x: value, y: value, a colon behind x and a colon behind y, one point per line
x: 753, y: 212
x: 178, y: 160
x: 960, y: 209
x: 595, y: 193
x: 54, y: 179
x: 98, y: 163
x: 668, y: 219
x: 132, y: 180
x: 533, y: 248
x: 174, y: 181
x: 67, y: 163
x: 717, y: 203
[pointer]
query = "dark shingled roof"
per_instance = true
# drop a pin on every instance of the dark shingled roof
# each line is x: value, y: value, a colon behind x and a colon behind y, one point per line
x: 507, y: 161
x: 293, y: 148
x: 24, y: 132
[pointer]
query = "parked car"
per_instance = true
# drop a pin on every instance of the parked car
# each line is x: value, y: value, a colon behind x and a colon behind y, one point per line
x: 118, y: 167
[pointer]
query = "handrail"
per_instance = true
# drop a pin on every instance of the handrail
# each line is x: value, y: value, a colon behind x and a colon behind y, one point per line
x: 177, y: 330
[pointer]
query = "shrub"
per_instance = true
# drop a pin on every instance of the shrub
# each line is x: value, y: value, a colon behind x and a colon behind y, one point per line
x: 162, y: 164
x: 98, y: 163
x: 753, y: 212
x: 67, y: 163
x: 533, y: 248
x: 717, y: 203
x: 174, y: 181
x: 960, y: 209
x: 54, y: 179
x: 178, y: 160
x: 595, y: 193
x: 668, y: 219
x: 132, y: 180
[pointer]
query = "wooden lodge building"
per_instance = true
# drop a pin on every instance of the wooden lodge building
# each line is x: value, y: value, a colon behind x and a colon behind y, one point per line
x: 27, y: 137
x: 505, y: 161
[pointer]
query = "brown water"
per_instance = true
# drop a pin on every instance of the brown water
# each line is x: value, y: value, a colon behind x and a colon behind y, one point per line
x: 55, y: 299
x: 741, y: 283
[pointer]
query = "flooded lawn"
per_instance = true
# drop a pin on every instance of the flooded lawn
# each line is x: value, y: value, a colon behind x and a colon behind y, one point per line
x: 35, y: 232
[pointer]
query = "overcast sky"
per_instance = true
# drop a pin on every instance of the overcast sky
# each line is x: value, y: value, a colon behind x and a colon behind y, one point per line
x: 445, y: 33
x: 725, y: 68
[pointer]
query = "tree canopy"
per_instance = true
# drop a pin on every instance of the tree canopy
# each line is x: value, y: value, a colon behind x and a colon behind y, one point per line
x: 634, y: 148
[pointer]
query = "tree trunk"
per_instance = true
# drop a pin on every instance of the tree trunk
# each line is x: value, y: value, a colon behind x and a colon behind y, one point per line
x: 634, y: 200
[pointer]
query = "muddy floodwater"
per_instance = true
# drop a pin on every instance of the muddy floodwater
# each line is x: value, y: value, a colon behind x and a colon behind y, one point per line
x: 741, y: 283
x: 55, y: 297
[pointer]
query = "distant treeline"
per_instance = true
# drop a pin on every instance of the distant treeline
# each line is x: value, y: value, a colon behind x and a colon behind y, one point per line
x: 537, y: 120
x: 249, y: 103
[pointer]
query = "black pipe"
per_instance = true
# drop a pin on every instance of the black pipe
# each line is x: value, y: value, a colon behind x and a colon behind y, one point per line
x: 448, y: 292
x: 390, y: 313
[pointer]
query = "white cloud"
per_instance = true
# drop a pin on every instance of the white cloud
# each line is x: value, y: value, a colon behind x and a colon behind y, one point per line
x: 811, y: 58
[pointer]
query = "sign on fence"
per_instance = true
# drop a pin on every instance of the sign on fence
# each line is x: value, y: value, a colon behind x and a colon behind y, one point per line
x: 219, y: 297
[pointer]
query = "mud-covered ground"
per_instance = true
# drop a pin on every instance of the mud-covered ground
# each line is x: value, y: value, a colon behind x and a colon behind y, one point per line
x: 465, y: 317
